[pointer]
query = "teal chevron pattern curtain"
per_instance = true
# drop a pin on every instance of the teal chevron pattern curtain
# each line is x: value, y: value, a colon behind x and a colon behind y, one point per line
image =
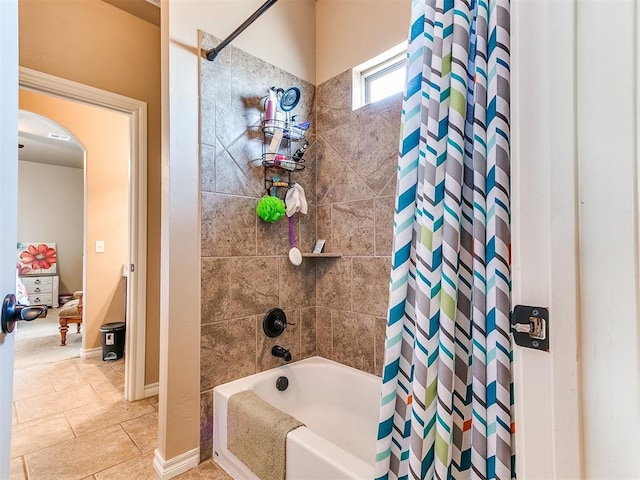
x: 446, y: 405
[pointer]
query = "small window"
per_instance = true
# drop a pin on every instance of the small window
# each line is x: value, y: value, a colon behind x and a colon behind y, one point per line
x: 383, y: 81
x: 380, y: 77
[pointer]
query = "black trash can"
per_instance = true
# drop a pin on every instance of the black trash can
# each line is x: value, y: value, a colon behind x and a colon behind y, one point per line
x: 112, y: 340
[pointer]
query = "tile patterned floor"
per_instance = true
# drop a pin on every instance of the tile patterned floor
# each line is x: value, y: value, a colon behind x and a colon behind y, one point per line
x: 70, y: 422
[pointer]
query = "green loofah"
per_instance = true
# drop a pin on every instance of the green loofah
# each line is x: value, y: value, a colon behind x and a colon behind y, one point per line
x: 270, y: 209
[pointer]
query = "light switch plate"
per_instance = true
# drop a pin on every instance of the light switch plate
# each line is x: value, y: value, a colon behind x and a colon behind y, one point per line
x: 99, y: 246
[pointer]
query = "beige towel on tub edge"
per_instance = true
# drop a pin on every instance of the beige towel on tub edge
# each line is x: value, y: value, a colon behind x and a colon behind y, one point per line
x: 257, y: 434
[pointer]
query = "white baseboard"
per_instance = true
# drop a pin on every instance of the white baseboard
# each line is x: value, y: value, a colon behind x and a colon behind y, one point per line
x: 91, y: 352
x: 151, y: 389
x: 173, y: 467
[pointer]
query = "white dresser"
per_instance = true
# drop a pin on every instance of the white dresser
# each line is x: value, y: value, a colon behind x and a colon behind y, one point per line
x: 43, y: 290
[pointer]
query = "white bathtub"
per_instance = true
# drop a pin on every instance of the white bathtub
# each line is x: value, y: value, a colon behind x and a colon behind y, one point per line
x: 339, y: 406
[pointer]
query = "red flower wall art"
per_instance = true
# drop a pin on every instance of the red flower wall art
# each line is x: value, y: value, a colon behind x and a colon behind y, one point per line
x: 36, y: 258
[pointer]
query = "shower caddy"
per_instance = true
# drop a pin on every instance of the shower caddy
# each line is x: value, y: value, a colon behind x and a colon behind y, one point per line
x: 281, y: 134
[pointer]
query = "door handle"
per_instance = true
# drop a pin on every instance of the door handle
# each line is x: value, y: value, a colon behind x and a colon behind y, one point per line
x: 13, y: 312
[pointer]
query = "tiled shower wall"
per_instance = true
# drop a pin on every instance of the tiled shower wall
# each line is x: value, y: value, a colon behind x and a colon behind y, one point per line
x: 245, y: 269
x: 338, y: 305
x: 355, y: 187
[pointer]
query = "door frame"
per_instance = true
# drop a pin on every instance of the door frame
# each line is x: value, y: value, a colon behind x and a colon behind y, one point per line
x: 134, y: 385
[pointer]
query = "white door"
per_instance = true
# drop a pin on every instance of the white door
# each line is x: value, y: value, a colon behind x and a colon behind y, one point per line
x: 8, y: 207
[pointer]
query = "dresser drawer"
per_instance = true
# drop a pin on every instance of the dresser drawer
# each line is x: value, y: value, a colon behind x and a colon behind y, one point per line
x: 37, y: 282
x: 41, y: 299
x: 37, y: 289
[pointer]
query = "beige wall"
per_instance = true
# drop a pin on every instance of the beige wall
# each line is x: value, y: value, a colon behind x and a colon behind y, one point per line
x: 350, y: 32
x: 51, y: 206
x: 94, y: 43
x: 105, y: 136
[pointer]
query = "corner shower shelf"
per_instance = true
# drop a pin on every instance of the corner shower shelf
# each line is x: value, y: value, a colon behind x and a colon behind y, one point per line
x: 322, y: 255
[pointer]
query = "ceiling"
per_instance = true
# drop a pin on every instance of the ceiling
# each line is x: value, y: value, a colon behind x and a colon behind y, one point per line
x: 145, y: 9
x: 34, y: 132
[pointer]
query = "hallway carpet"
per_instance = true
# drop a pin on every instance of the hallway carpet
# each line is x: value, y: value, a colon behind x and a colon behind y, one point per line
x: 38, y: 342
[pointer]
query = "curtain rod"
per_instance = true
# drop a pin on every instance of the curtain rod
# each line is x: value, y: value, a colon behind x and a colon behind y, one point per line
x: 213, y: 53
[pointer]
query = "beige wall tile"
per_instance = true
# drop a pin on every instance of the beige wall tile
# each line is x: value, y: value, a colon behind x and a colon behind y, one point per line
x: 228, y: 225
x: 379, y: 345
x: 207, y: 123
x: 333, y: 283
x: 352, y: 227
x: 297, y: 284
x: 334, y: 102
x: 254, y: 285
x: 229, y: 178
x: 273, y: 238
x: 215, y: 280
x: 305, y: 110
x: 323, y: 226
x: 371, y: 285
x: 215, y: 77
x: 390, y: 189
x: 308, y: 339
x: 306, y: 230
x: 206, y: 425
x: 208, y: 166
x: 232, y: 123
x: 307, y: 177
x: 227, y: 351
x: 369, y: 146
x: 324, y: 333
x: 237, y: 287
x: 353, y: 339
x: 384, y: 210
x: 390, y: 108
x: 253, y: 83
x: 336, y: 180
x: 247, y: 151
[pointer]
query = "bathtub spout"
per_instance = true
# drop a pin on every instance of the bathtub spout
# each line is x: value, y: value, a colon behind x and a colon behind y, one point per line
x: 278, y: 351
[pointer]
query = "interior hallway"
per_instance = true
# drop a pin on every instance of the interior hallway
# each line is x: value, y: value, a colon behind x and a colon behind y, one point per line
x: 70, y: 422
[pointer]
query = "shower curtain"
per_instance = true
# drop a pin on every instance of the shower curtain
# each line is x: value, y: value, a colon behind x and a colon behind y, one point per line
x: 446, y: 405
